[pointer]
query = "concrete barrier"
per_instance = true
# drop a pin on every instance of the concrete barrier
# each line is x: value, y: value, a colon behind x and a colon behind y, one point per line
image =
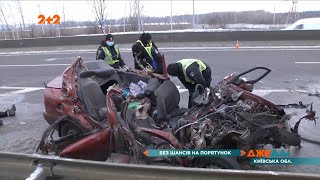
x: 169, y: 37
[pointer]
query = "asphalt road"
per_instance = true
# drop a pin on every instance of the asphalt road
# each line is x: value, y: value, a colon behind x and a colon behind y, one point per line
x: 23, y: 76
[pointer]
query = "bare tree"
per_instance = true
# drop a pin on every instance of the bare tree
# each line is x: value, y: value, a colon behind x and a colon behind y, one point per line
x: 19, y: 8
x: 99, y: 11
x: 3, y: 18
x: 21, y: 13
x: 6, y: 13
x: 135, y: 19
x: 13, y: 17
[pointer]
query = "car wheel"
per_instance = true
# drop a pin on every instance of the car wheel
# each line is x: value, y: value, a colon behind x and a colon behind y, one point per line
x: 69, y: 128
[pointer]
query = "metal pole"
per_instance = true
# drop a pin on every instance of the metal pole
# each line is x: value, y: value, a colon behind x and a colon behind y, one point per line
x: 139, y: 15
x: 43, y: 31
x: 13, y: 34
x: 193, y: 16
x: 125, y: 16
x: 274, y: 13
x: 171, y: 15
x: 197, y: 19
x: 58, y: 24
x: 59, y: 30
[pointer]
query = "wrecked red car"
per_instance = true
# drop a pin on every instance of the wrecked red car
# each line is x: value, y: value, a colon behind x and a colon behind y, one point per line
x: 227, y: 116
x: 74, y: 93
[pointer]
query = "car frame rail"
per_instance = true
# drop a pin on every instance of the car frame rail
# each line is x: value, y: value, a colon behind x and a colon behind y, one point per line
x: 36, y: 167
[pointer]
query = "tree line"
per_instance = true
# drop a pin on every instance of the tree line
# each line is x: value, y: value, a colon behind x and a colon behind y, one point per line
x: 134, y: 22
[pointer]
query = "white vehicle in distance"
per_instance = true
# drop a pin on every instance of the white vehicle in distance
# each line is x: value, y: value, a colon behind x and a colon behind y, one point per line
x: 305, y: 24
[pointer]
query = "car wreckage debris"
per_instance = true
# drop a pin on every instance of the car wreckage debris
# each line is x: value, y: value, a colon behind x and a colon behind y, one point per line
x: 300, y: 105
x: 227, y: 116
x: 311, y: 115
x: 316, y: 94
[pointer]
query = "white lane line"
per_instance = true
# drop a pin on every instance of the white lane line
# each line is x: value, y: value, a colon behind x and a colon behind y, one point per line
x: 307, y: 62
x: 41, y: 52
x: 233, y: 49
x: 162, y: 50
x: 21, y: 91
x: 259, y: 92
x: 172, y: 50
x: 54, y: 59
x: 248, y: 48
x: 32, y: 65
x: 181, y: 90
x: 6, y: 87
x: 263, y: 92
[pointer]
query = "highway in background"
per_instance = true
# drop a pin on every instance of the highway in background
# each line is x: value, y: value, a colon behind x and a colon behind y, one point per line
x: 23, y: 77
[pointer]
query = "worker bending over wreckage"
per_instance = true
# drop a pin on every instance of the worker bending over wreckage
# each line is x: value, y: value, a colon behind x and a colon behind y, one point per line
x: 191, y: 72
x: 146, y: 54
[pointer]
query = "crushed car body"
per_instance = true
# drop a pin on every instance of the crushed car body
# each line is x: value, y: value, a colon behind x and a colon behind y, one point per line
x: 80, y: 92
x: 124, y: 126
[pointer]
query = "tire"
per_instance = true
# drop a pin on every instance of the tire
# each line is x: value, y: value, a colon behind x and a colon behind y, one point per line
x: 69, y: 128
x: 287, y: 137
x: 217, y: 163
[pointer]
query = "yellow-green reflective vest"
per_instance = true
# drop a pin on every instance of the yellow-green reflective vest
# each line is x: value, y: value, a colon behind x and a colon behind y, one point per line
x: 186, y: 63
x: 108, y: 55
x: 148, y: 49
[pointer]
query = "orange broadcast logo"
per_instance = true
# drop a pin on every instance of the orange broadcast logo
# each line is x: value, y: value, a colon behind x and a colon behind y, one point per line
x: 265, y: 153
x: 54, y: 20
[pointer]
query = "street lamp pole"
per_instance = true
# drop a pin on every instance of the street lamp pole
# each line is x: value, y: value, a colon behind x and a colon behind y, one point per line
x: 139, y: 20
x: 274, y: 13
x: 171, y: 15
x: 125, y: 16
x: 193, y: 16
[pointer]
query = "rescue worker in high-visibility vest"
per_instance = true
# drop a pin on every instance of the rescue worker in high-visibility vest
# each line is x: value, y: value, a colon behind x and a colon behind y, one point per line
x: 110, y: 53
x: 191, y: 72
x: 146, y: 53
x: 145, y: 39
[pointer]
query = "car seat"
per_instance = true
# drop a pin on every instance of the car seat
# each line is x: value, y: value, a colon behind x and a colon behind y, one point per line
x: 91, y: 95
x: 168, y: 98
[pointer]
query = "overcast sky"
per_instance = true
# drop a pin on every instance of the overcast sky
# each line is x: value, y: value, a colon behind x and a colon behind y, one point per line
x: 80, y: 10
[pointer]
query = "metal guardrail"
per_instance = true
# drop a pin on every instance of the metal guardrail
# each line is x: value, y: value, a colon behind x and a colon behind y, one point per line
x: 36, y: 167
x: 169, y: 37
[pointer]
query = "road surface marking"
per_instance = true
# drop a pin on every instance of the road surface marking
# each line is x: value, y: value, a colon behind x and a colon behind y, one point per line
x: 248, y: 48
x: 32, y: 65
x: 307, y: 62
x: 21, y: 91
x: 181, y: 90
x: 263, y: 92
x: 6, y: 87
x: 54, y: 59
x: 260, y: 92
